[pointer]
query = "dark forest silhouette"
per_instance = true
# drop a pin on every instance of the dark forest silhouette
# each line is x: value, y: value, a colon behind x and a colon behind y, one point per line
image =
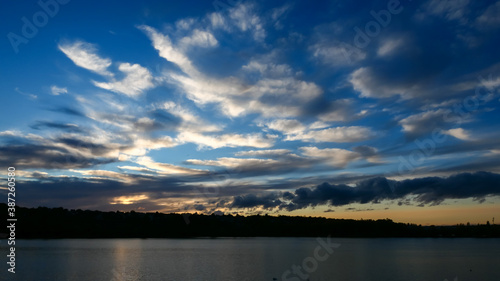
x: 45, y: 222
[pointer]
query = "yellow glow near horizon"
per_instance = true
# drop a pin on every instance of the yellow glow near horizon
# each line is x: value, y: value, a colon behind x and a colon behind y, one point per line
x: 127, y: 200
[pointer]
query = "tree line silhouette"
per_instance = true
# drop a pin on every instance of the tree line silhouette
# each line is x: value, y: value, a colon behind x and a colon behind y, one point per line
x: 45, y: 222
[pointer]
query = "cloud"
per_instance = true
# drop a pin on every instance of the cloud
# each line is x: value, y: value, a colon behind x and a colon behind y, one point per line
x: 389, y: 46
x: 168, y: 51
x: 268, y: 68
x: 56, y: 125
x: 449, y: 9
x: 165, y: 168
x: 68, y: 110
x: 199, y: 38
x: 85, y: 55
x: 264, y: 153
x: 459, y: 133
x: 240, y: 164
x: 490, y: 19
x: 286, y: 126
x: 365, y: 81
x: 428, y: 190
x: 278, y: 14
x: 48, y: 156
x: 190, y: 121
x: 252, y: 201
x: 57, y: 90
x: 137, y: 80
x: 332, y: 156
x: 425, y: 122
x: 245, y: 19
x: 337, y: 53
x: 336, y: 134
x: 274, y: 94
x: 226, y: 140
x: 217, y: 20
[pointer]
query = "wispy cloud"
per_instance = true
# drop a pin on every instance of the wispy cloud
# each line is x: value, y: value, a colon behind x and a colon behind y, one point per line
x: 85, y: 55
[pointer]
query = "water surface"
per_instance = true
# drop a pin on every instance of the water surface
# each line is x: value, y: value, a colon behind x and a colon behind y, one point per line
x: 254, y: 259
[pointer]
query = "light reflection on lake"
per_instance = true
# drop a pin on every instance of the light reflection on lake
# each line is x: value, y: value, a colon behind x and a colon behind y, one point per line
x: 254, y: 259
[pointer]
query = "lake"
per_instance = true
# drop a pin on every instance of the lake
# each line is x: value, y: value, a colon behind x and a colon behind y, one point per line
x: 255, y: 259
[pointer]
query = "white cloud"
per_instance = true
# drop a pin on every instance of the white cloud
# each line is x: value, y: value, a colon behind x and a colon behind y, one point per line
x: 337, y: 53
x: 286, y: 126
x: 85, y: 55
x: 333, y: 156
x: 459, y: 133
x: 337, y: 134
x: 141, y: 145
x: 199, y: 38
x: 168, y: 51
x: 265, y: 152
x: 137, y: 80
x: 233, y: 163
x: 389, y: 46
x: 226, y: 140
x: 185, y: 24
x: 165, y: 168
x: 190, y: 121
x: 246, y: 20
x: 57, y: 90
x: 217, y: 20
x: 277, y: 97
x: 270, y: 69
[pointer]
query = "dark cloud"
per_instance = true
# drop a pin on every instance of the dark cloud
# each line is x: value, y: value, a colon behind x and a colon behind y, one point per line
x: 72, y: 128
x: 27, y: 156
x: 428, y: 190
x: 267, y: 201
x: 365, y: 151
x: 68, y: 111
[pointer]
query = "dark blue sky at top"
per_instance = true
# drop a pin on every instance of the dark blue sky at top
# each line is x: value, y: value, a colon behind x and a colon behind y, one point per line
x: 249, y: 96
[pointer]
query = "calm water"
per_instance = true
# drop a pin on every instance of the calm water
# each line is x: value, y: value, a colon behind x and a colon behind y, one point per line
x: 254, y: 259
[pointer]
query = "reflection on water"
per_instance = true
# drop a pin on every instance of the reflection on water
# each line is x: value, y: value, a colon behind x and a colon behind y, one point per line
x: 254, y: 259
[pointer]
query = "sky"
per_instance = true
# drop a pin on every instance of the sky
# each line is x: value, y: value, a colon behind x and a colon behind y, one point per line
x: 387, y: 109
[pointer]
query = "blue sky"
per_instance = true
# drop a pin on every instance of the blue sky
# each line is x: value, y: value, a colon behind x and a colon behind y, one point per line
x: 386, y: 109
